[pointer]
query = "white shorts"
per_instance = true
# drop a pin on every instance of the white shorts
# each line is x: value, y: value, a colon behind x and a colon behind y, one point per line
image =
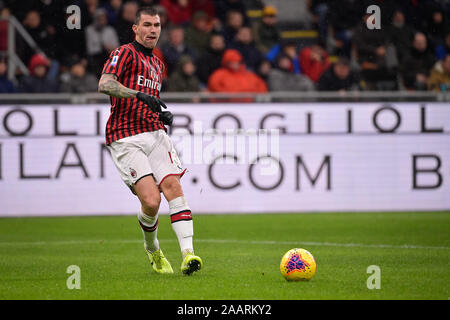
x: 144, y: 154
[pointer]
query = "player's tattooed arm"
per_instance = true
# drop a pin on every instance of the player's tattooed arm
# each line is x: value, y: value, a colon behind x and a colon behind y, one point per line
x: 109, y: 85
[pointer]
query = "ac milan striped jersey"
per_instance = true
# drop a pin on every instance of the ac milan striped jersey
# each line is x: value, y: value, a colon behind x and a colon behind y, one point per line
x: 136, y: 68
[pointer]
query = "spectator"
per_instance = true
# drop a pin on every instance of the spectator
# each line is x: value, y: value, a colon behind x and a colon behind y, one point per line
x: 415, y: 12
x: 112, y: 8
x: 233, y: 77
x: 206, y: 6
x: 282, y: 79
x: 223, y: 7
x: 314, y: 61
x: 339, y: 77
x: 5, y: 13
x: 344, y: 16
x: 42, y: 34
x: 19, y: 9
x: 235, y: 21
x: 50, y: 11
x: 400, y: 34
x: 125, y: 22
x: 264, y: 70
x: 78, y: 80
x: 179, y: 11
x: 88, y: 8
x: 376, y: 57
x: 443, y: 49
x: 176, y: 48
x: 266, y: 31
x: 417, y: 65
x: 244, y: 43
x: 198, y: 32
x: 212, y: 56
x: 440, y: 76
x: 147, y: 3
x: 101, y: 39
x: 165, y: 26
x: 6, y: 86
x: 287, y: 48
x: 42, y: 78
x: 183, y: 79
x: 435, y: 26
x: 319, y: 10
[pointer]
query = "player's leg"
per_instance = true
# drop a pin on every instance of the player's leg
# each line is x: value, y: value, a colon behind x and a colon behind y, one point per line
x: 180, y: 213
x: 167, y: 171
x: 150, y: 198
x: 182, y: 224
x: 134, y: 168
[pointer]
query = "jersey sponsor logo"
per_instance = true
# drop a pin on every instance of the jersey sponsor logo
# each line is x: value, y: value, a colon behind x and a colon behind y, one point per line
x: 133, y: 173
x: 142, y: 81
x: 148, y: 65
x: 154, y: 74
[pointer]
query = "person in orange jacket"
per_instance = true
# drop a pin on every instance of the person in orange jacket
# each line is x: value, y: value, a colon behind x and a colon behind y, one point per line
x: 234, y: 77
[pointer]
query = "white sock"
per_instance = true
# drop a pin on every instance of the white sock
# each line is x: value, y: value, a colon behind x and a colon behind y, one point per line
x: 149, y: 226
x: 181, y: 218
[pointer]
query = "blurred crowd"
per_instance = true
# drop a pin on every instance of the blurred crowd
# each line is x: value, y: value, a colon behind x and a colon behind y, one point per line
x: 213, y: 45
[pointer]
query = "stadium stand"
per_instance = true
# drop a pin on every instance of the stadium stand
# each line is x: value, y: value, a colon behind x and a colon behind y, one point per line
x: 259, y: 29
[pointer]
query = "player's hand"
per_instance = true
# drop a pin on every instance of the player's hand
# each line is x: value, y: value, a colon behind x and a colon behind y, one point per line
x: 166, y: 117
x: 154, y: 103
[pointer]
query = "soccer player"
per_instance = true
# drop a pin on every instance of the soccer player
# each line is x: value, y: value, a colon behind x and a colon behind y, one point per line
x: 139, y: 145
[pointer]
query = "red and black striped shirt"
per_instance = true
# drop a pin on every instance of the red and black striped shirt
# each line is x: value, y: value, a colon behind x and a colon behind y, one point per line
x: 136, y: 68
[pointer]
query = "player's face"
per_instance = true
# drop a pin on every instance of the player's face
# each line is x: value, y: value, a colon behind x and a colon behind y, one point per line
x: 148, y: 30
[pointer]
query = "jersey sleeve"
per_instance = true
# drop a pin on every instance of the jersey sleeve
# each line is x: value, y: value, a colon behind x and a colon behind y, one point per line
x: 117, y: 62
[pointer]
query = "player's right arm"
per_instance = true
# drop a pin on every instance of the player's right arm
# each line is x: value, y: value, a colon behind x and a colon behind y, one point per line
x: 109, y: 85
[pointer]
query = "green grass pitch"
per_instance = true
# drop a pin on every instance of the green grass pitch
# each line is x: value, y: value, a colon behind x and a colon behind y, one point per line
x: 241, y: 255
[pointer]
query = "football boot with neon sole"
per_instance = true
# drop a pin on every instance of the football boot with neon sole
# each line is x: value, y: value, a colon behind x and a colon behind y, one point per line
x: 191, y: 263
x: 159, y: 262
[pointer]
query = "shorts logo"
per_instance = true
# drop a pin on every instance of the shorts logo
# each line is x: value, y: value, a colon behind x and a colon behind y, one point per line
x: 133, y: 173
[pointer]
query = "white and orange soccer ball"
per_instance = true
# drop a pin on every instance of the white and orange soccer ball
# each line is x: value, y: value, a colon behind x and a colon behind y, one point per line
x: 298, y: 265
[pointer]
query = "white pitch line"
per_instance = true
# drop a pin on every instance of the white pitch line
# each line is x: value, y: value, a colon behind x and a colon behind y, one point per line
x: 325, y: 244
x: 256, y: 242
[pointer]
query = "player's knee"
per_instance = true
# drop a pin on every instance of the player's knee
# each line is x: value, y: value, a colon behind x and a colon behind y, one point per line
x: 150, y: 203
x: 172, y: 185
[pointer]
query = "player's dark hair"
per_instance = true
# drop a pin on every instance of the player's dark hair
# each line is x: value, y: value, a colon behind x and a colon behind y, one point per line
x: 151, y: 11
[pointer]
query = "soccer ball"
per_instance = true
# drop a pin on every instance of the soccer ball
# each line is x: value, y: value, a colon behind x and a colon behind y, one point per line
x: 298, y: 265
